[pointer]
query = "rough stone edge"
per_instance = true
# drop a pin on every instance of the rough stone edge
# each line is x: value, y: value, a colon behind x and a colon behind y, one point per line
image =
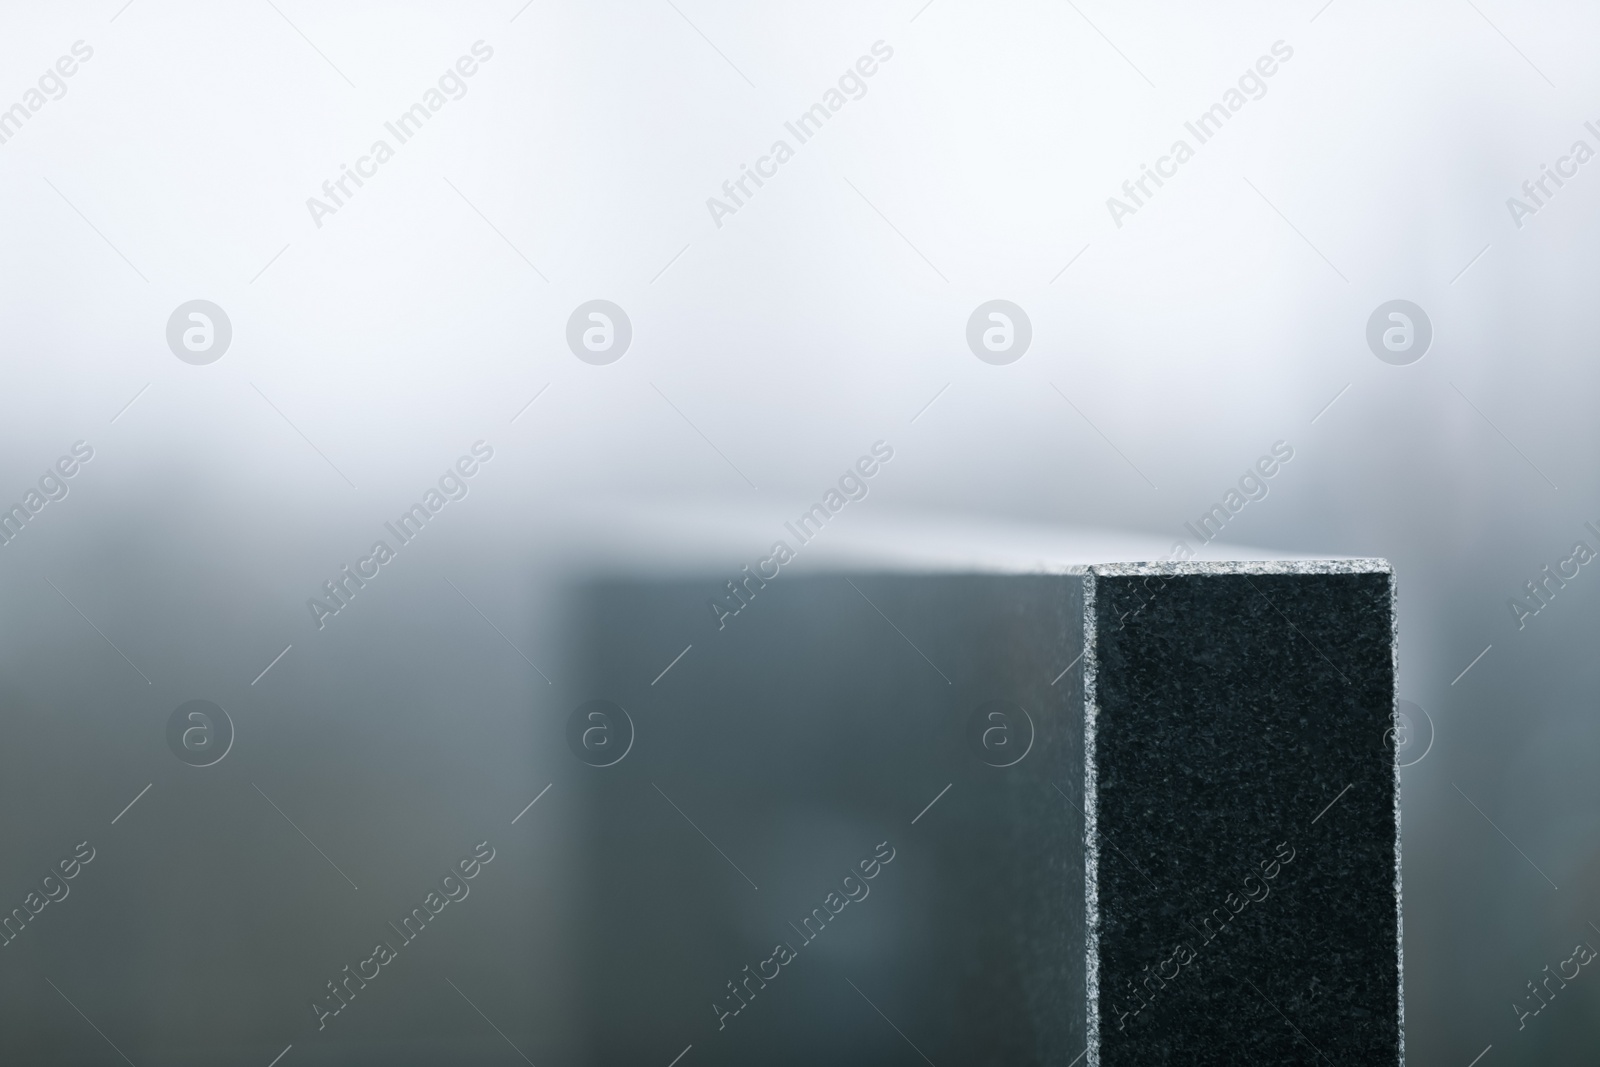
x: 1091, y: 824
x: 1399, y: 911
x: 1276, y: 566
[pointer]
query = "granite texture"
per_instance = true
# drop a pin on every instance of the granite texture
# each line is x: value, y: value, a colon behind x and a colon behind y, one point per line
x: 1242, y: 885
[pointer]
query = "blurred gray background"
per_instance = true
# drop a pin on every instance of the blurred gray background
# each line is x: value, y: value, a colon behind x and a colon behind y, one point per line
x: 1170, y: 349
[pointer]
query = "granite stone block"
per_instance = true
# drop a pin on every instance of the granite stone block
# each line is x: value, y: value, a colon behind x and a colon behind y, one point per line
x: 1137, y: 814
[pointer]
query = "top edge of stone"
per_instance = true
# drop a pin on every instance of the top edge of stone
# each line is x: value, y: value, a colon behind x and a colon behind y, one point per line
x: 1277, y: 566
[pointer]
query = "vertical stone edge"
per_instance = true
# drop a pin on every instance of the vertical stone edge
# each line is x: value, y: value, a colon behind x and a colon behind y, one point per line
x: 1399, y: 910
x: 1091, y: 827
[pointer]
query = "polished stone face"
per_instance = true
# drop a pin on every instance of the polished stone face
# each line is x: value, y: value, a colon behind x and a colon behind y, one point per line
x: 836, y: 720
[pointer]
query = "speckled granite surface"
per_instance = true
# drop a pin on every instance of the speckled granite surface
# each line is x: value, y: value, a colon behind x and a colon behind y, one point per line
x: 1242, y: 870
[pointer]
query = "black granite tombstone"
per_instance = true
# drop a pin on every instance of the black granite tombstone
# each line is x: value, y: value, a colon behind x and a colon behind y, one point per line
x: 1128, y: 814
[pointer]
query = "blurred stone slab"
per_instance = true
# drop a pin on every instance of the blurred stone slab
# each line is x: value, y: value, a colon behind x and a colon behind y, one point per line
x: 834, y: 719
